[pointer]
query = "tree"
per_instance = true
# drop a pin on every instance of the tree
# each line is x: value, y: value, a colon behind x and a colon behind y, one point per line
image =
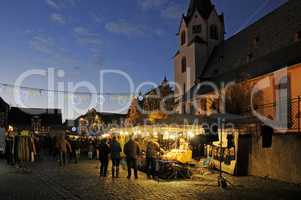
x: 238, y: 98
x: 134, y: 115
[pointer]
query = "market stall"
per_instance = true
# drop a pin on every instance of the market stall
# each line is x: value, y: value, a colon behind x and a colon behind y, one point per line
x: 174, y: 141
x: 230, y: 152
x: 228, y: 156
x: 20, y: 147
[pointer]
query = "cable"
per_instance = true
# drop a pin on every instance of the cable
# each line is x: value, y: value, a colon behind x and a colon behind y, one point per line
x: 67, y: 92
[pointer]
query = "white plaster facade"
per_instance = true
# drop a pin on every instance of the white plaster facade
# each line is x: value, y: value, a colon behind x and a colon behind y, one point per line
x: 197, y: 49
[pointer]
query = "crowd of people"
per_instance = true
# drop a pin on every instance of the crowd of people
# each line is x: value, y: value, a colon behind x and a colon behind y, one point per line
x: 113, y: 148
x: 65, y: 150
x: 19, y: 146
x: 132, y: 151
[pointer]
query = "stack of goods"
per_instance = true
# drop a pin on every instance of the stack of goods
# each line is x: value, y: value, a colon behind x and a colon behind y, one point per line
x: 173, y: 170
x: 25, y: 149
x: 179, y: 155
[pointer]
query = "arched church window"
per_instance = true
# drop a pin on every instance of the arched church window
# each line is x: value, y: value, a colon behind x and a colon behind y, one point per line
x: 183, y: 38
x: 184, y: 64
x: 214, y: 32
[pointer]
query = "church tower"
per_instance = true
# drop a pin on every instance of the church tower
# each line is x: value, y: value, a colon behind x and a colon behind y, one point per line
x: 201, y: 30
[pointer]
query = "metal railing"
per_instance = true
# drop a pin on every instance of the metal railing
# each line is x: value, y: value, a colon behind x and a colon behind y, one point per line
x: 293, y: 113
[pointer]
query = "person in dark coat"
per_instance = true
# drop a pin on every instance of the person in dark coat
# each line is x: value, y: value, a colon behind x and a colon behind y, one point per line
x: 152, y: 154
x: 115, y: 156
x: 9, y: 147
x: 77, y: 145
x: 132, y: 150
x: 104, y: 152
x: 63, y: 146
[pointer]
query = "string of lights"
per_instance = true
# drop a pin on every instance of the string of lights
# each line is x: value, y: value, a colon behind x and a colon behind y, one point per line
x: 41, y: 90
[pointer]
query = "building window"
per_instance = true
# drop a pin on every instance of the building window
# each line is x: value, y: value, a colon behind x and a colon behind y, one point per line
x: 256, y: 41
x: 184, y: 103
x: 267, y: 136
x: 183, y: 108
x: 220, y: 59
x: 183, y: 38
x: 214, y: 32
x: 284, y: 102
x: 297, y: 37
x: 249, y: 57
x: 183, y: 64
x: 196, y: 29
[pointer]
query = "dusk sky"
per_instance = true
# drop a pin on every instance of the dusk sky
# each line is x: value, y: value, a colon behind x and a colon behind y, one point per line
x: 85, y: 36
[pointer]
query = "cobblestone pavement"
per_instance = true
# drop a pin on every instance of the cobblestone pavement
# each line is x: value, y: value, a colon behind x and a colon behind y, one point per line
x: 48, y: 181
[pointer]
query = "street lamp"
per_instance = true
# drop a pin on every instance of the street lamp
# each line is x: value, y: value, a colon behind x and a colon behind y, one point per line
x: 221, y: 180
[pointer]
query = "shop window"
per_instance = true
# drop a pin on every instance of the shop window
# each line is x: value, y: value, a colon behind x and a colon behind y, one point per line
x: 197, y: 29
x: 183, y: 65
x: 183, y: 38
x: 297, y: 36
x: 214, y: 32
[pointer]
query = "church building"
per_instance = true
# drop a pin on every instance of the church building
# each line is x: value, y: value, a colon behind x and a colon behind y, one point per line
x: 267, y: 54
x: 270, y: 44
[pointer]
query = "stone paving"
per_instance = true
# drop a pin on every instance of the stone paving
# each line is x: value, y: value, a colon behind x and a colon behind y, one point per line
x: 48, y: 181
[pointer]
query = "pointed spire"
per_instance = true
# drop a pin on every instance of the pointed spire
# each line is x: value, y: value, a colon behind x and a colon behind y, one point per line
x: 204, y: 7
x: 165, y: 81
x: 165, y: 78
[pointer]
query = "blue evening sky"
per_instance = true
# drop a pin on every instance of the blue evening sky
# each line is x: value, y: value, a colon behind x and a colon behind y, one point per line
x: 85, y: 36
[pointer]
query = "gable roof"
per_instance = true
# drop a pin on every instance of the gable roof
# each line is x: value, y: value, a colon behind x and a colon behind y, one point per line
x: 3, y: 105
x: 105, y: 117
x: 204, y: 7
x: 23, y: 116
x: 272, y: 62
x: 236, y: 51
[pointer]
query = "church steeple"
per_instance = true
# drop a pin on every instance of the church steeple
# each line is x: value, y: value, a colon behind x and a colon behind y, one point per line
x: 204, y: 7
x: 201, y: 31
